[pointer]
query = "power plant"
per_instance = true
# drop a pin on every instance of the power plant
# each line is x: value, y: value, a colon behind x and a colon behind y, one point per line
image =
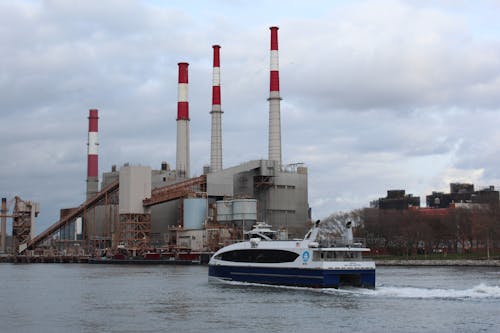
x: 142, y: 211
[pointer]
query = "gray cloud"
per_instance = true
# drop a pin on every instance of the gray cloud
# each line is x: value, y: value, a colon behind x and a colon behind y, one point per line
x: 369, y: 56
x: 377, y: 95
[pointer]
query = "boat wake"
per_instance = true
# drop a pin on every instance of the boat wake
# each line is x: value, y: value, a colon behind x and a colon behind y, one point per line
x: 480, y: 291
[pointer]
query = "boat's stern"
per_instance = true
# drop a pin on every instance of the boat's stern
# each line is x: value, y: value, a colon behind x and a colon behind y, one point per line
x: 349, y: 273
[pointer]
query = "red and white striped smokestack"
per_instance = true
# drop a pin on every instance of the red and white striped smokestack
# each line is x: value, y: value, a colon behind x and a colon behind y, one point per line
x: 182, y: 162
x: 274, y: 101
x: 216, y: 139
x: 92, y: 156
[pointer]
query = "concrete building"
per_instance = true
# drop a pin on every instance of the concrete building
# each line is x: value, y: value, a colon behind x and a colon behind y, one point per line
x: 281, y: 194
x: 281, y: 198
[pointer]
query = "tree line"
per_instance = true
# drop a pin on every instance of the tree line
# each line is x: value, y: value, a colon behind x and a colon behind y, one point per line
x: 412, y: 232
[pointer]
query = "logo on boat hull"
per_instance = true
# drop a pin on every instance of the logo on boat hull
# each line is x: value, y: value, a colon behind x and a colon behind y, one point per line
x: 305, y: 256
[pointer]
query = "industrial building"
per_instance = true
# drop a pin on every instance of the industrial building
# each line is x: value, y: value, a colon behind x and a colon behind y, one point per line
x: 139, y: 208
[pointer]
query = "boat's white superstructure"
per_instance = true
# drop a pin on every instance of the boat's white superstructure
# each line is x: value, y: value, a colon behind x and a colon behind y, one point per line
x: 305, y: 262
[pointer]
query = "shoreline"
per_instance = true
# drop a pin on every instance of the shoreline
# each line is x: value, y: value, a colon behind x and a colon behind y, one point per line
x: 378, y: 262
x: 438, y: 262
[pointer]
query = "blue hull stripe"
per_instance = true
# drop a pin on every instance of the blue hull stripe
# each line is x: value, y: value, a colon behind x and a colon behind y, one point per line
x: 318, y: 278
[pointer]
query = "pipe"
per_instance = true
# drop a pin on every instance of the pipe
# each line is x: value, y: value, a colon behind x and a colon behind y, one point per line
x: 3, y: 236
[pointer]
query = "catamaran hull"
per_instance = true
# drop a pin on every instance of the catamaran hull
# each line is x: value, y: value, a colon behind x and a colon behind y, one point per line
x: 300, y: 277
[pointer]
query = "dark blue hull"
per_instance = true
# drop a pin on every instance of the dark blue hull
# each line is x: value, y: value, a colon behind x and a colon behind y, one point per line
x: 301, y: 277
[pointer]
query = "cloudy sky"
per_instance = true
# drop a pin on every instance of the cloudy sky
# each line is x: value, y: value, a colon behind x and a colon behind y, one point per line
x: 377, y: 95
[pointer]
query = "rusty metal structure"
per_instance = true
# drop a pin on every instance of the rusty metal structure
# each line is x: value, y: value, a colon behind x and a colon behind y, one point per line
x: 177, y: 190
x: 134, y: 233
x: 24, y: 216
x: 3, y: 226
x: 52, y: 235
x: 131, y: 231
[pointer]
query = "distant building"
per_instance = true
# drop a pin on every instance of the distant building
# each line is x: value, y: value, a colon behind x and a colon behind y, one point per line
x: 462, y: 193
x: 396, y: 199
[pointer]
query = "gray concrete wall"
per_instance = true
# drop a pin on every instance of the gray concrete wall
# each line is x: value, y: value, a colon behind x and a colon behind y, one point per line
x: 135, y: 186
x: 287, y: 203
x: 163, y: 216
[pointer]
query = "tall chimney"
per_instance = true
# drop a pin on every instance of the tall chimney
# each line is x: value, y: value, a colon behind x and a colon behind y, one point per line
x: 182, y: 163
x: 274, y: 101
x: 3, y: 230
x: 92, y: 156
x: 216, y: 139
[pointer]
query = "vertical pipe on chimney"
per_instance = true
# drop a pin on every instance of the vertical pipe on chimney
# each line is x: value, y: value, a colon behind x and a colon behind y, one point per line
x: 92, y: 156
x: 274, y: 101
x: 216, y: 138
x: 182, y: 156
x: 3, y: 237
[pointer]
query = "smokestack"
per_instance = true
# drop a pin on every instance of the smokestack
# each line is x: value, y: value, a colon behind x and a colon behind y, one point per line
x: 216, y: 139
x: 274, y: 101
x: 182, y: 163
x: 92, y: 160
x: 3, y: 237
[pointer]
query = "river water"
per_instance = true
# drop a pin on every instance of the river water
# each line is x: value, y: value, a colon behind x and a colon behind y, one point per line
x: 115, y: 298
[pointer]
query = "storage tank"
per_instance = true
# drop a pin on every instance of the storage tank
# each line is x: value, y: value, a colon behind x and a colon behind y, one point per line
x: 245, y: 210
x: 195, y: 212
x: 224, y: 211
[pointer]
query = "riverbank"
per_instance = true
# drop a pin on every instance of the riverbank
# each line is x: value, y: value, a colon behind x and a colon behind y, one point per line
x: 204, y: 260
x: 201, y: 259
x: 438, y: 262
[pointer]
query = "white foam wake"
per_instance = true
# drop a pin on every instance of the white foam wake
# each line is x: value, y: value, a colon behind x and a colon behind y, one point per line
x: 477, y: 292
x: 480, y: 291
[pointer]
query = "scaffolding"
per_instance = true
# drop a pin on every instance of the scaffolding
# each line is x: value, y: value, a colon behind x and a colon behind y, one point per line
x: 135, y: 232
x: 24, y: 215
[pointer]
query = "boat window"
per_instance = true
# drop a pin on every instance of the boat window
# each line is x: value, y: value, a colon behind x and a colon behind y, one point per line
x: 336, y: 255
x: 258, y: 256
x: 324, y: 255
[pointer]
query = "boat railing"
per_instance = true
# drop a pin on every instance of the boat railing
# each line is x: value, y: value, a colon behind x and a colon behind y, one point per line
x: 342, y: 242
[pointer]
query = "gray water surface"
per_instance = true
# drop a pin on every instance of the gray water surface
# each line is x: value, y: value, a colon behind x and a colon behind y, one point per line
x: 100, y: 298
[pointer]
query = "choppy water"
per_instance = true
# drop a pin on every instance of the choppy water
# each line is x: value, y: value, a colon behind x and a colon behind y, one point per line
x: 98, y: 298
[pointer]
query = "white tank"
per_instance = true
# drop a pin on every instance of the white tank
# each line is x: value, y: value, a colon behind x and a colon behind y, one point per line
x: 224, y: 211
x: 195, y: 213
x: 245, y: 210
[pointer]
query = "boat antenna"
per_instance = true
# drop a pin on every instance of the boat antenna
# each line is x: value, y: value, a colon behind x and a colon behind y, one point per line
x: 348, y: 232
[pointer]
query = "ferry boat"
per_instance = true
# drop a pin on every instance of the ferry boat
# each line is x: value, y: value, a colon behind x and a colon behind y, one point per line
x: 303, y: 262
